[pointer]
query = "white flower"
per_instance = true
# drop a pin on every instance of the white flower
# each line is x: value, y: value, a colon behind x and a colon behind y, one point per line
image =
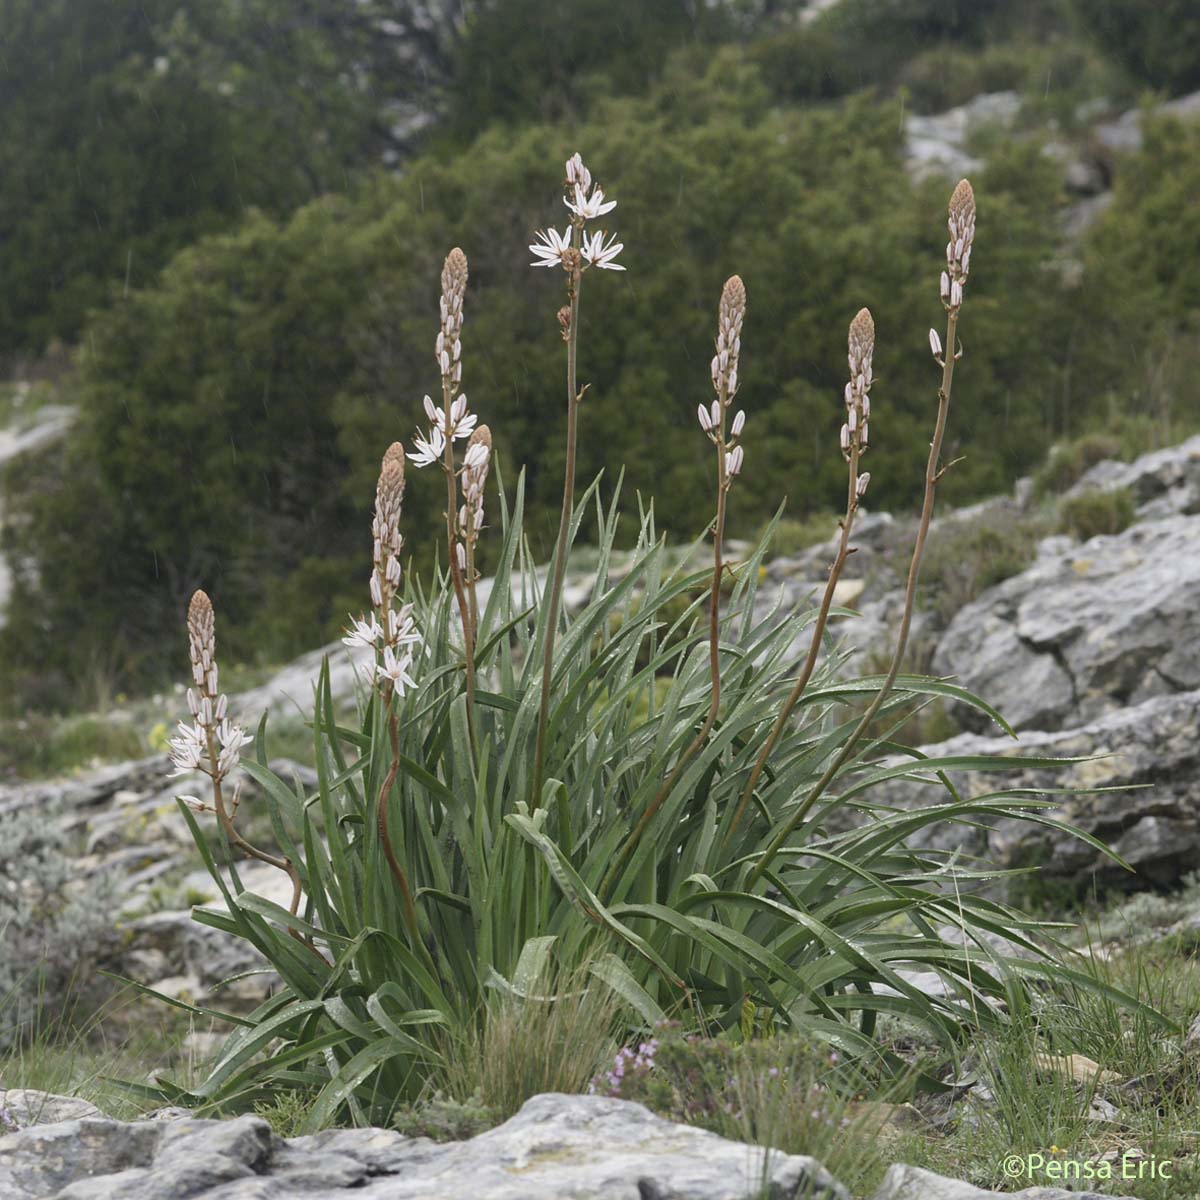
x: 363, y: 633
x: 400, y: 628
x: 935, y: 343
x: 733, y: 461
x: 705, y: 419
x: 394, y: 668
x: 739, y: 423
x: 600, y: 255
x: 187, y: 749
x: 550, y: 247
x: 860, y: 484
x: 462, y: 423
x: 589, y: 207
x: 428, y: 450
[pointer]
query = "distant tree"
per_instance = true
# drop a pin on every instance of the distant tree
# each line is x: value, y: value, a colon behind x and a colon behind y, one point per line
x: 1158, y: 43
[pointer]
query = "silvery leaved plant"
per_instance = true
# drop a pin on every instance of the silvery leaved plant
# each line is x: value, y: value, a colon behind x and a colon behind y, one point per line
x: 652, y: 793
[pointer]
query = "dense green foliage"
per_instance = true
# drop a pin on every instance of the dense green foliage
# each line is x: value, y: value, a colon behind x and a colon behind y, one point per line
x: 129, y: 130
x: 607, y: 875
x: 321, y: 329
x: 735, y: 139
x: 1157, y: 42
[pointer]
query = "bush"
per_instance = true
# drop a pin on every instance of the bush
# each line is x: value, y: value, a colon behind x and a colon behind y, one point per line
x: 300, y: 335
x: 523, y: 844
x: 971, y: 555
x: 55, y: 927
x: 1096, y: 512
x: 1158, y: 43
x: 1068, y: 462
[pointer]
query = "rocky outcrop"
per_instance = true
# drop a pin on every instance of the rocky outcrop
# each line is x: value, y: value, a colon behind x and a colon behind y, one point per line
x: 556, y: 1147
x: 1137, y: 789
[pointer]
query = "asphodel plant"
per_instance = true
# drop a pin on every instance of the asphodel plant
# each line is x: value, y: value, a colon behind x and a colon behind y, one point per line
x: 640, y: 794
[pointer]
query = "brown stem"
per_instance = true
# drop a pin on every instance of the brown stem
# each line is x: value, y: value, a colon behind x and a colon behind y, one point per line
x: 814, y: 648
x: 714, y: 666
x: 564, y: 528
x: 932, y: 474
x: 235, y: 839
x: 385, y: 838
x: 455, y: 573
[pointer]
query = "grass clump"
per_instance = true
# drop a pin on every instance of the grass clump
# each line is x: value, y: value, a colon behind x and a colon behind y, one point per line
x: 970, y: 556
x: 1068, y: 462
x: 1096, y: 512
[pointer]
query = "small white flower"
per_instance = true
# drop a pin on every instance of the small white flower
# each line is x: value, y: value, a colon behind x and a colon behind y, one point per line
x: 428, y: 450
x: 476, y: 456
x: 956, y: 294
x: 705, y: 419
x: 860, y: 484
x: 589, y: 207
x: 400, y: 628
x: 364, y: 633
x: 733, y: 461
x: 376, y: 591
x: 935, y: 343
x: 394, y: 669
x: 944, y: 286
x: 739, y: 423
x: 550, y: 247
x: 600, y: 255
x: 845, y: 436
x: 187, y: 749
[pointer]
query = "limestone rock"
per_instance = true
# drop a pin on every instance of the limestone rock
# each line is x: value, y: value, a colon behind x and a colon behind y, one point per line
x: 1086, y: 631
x: 912, y: 1183
x: 1149, y: 757
x: 555, y: 1148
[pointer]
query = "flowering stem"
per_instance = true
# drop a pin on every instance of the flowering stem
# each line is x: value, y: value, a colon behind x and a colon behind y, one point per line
x: 455, y: 572
x: 933, y: 473
x: 564, y: 527
x: 814, y: 647
x: 714, y: 664
x: 398, y: 873
x: 283, y: 864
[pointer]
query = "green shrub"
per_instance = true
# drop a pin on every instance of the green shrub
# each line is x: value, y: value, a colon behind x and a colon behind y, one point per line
x: 1068, y: 462
x: 445, y: 1120
x: 298, y: 335
x: 1159, y: 43
x: 55, y: 926
x: 1095, y: 512
x: 971, y: 555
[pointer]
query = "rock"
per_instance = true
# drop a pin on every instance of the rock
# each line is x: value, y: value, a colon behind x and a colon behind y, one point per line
x: 1164, y: 483
x: 1078, y: 1068
x: 1151, y: 818
x: 23, y: 1107
x: 912, y: 1183
x: 937, y: 145
x: 555, y: 1148
x: 1124, y: 135
x: 1083, y: 632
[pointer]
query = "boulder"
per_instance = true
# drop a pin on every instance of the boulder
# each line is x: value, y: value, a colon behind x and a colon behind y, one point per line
x: 556, y: 1147
x: 912, y: 1183
x: 1147, y: 760
x: 1087, y: 630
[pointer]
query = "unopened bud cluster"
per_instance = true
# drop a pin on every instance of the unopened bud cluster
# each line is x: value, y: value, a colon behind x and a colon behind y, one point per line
x: 389, y: 630
x: 212, y: 743
x: 855, y: 433
x: 448, y: 348
x: 476, y: 462
x: 724, y: 370
x: 452, y: 420
x: 961, y: 223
